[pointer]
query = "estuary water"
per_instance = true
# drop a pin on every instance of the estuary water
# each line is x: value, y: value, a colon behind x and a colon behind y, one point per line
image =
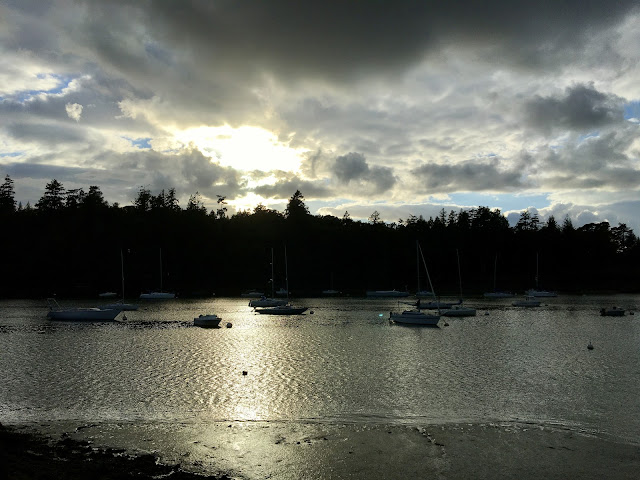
x: 340, y: 363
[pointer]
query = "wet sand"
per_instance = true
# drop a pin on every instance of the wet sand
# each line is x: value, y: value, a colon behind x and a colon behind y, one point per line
x: 252, y: 450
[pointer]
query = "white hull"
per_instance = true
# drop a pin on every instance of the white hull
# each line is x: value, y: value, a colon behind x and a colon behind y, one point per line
x: 386, y: 293
x: 414, y: 317
x: 207, y: 321
x: 267, y: 302
x: 157, y: 296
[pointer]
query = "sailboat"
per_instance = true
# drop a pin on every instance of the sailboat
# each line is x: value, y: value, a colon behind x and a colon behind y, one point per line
x: 420, y: 293
x: 286, y: 309
x: 121, y: 305
x: 460, y: 310
x: 416, y: 317
x: 534, y: 292
x: 160, y: 295
x: 268, y: 302
x: 496, y: 293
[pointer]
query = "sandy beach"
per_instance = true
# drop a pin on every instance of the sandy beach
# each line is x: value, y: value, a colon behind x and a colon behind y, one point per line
x: 276, y: 451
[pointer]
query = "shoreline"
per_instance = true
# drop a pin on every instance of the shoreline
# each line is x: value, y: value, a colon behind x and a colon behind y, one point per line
x: 226, y: 450
x: 26, y: 455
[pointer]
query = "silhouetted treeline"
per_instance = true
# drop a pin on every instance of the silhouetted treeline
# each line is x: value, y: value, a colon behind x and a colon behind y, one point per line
x: 70, y: 243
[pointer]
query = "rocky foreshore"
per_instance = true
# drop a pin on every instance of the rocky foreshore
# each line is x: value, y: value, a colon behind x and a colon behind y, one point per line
x: 28, y: 456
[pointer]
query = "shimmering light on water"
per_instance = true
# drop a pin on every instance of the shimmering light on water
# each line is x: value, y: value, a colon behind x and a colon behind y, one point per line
x: 344, y: 363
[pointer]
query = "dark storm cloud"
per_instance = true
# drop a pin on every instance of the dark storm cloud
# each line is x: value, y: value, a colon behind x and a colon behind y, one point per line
x: 581, y: 108
x: 353, y: 168
x: 51, y: 134
x: 335, y: 37
x: 467, y: 176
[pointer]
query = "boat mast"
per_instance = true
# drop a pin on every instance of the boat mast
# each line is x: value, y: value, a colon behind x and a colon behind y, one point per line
x: 433, y: 292
x: 459, y: 274
x: 273, y: 295
x: 418, y: 264
x: 495, y: 269
x: 160, y: 268
x: 286, y: 272
x: 122, y: 273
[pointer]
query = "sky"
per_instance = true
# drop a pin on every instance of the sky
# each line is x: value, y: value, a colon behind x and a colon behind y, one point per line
x: 400, y: 107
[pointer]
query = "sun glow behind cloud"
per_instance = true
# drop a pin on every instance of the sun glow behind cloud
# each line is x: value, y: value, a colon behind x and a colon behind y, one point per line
x: 245, y: 148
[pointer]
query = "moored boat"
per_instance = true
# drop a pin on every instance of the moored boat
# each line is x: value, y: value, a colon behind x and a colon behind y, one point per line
x: 207, y: 321
x: 414, y: 317
x: 612, y: 312
x: 86, y: 314
x: 282, y: 310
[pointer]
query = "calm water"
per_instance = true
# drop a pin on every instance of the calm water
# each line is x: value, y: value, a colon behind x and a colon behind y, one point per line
x: 342, y: 363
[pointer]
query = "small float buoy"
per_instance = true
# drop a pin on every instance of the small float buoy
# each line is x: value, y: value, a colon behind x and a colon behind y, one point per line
x: 446, y: 324
x: 244, y: 372
x: 311, y: 312
x: 228, y: 324
x: 124, y: 316
x: 590, y: 346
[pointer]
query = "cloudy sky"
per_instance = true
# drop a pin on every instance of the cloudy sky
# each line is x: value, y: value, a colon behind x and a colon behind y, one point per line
x: 404, y: 107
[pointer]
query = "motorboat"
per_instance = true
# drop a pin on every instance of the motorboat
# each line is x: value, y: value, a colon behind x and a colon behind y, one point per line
x: 528, y: 301
x: 87, y: 314
x: 459, y: 311
x: 287, y: 309
x: 207, y: 321
x: 386, y: 294
x: 267, y: 302
x: 612, y: 312
x: 414, y: 317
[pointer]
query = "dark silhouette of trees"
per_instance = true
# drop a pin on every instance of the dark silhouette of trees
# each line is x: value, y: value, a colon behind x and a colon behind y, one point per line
x: 7, y: 196
x: 70, y: 245
x: 53, y: 198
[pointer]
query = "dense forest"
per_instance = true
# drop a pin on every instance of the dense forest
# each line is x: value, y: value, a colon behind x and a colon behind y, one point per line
x: 74, y: 243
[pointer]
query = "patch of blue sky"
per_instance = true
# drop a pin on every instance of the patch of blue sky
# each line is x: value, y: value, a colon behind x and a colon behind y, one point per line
x: 141, y: 143
x: 10, y: 154
x: 632, y: 110
x: 62, y: 82
x: 505, y: 201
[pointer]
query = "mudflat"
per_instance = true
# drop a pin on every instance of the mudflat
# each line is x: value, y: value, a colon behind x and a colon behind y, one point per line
x: 321, y: 451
